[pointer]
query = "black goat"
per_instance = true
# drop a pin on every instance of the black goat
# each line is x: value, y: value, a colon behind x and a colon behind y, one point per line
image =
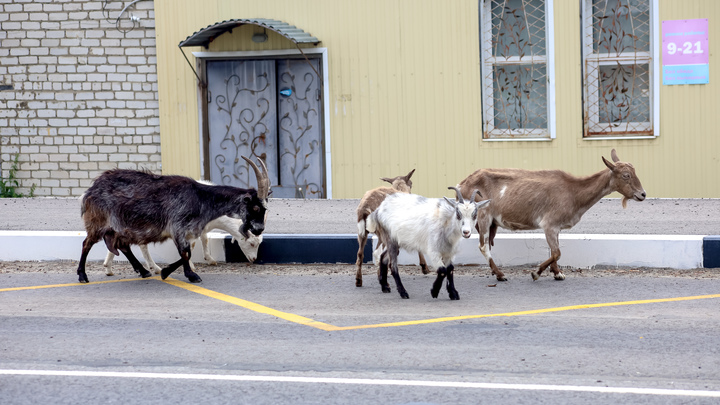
x: 127, y: 207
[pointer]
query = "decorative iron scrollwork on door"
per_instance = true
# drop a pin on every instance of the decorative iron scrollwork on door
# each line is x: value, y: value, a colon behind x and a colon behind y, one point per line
x: 267, y: 109
x: 300, y: 148
x: 243, y: 121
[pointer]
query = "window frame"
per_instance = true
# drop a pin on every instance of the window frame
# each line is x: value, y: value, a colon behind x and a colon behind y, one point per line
x: 489, y: 62
x: 592, y: 128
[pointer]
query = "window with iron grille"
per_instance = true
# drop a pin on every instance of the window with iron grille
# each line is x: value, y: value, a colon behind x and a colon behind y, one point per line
x: 517, y: 74
x: 619, y: 68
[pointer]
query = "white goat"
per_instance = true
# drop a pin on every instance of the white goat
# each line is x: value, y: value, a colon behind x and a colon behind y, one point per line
x: 249, y: 245
x: 549, y: 199
x: 429, y: 225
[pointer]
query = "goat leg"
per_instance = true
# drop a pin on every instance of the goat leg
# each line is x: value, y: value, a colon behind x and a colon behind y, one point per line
x: 164, y: 273
x: 191, y: 275
x: 185, y: 259
x: 149, y: 260
x: 108, y: 264
x: 452, y: 292
x: 499, y: 275
x: 438, y: 282
x: 553, y: 241
x: 423, y: 263
x: 362, y: 240
x: 485, y: 250
x: 393, y: 249
x: 137, y: 266
x: 382, y: 273
x: 87, y: 244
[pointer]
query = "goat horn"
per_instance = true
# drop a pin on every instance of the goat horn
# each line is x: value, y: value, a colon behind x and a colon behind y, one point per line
x: 262, y: 178
x: 473, y: 195
x: 407, y: 177
x: 459, y: 194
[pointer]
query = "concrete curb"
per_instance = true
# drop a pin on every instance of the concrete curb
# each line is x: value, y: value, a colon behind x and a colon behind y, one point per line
x: 578, y: 251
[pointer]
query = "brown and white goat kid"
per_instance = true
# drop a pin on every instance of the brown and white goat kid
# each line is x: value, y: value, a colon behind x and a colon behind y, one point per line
x: 248, y: 244
x: 128, y: 207
x: 369, y: 203
x: 430, y: 225
x: 550, y: 200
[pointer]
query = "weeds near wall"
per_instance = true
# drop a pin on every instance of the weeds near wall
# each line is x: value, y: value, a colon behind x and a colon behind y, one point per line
x: 9, y: 184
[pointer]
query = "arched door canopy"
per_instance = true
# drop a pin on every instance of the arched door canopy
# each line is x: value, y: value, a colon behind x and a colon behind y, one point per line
x: 208, y: 34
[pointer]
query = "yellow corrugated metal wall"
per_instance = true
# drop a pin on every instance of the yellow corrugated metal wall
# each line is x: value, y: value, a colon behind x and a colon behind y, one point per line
x: 404, y: 84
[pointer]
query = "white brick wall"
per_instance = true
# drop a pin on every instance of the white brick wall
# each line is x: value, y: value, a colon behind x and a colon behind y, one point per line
x: 84, y: 93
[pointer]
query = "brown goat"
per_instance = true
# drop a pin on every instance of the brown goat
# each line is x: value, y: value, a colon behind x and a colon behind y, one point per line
x: 548, y: 199
x: 369, y: 203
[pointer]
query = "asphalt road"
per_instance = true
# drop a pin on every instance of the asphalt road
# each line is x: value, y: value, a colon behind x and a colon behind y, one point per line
x: 306, y: 335
x: 651, y: 217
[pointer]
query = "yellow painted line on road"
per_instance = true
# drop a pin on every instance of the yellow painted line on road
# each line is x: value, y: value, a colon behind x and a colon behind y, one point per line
x: 251, y: 305
x: 529, y: 312
x: 327, y: 327
x: 299, y: 319
x: 78, y: 284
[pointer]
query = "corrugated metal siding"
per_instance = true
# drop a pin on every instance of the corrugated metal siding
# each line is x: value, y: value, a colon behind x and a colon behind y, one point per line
x: 405, y: 93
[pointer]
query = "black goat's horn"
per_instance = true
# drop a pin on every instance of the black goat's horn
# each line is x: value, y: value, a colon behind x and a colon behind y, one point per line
x: 263, y: 179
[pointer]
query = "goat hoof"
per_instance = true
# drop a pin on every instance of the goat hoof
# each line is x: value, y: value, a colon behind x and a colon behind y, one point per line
x: 358, y: 283
x: 83, y: 278
x: 109, y: 273
x: 560, y: 277
x: 434, y: 293
x: 404, y: 296
x: 425, y: 270
x: 145, y: 274
x: 164, y: 273
x: 386, y: 290
x: 501, y: 278
x: 535, y: 276
x: 194, y: 278
x: 454, y: 295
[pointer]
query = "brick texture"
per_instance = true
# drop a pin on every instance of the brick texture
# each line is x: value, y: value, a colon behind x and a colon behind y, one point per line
x: 79, y: 93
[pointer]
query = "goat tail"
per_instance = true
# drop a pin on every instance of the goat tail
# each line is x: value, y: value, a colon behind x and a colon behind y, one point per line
x: 82, y: 205
x: 370, y: 223
x: 361, y: 227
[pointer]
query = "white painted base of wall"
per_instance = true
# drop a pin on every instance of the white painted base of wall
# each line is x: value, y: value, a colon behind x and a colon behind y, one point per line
x: 61, y: 245
x: 584, y: 251
x: 580, y: 251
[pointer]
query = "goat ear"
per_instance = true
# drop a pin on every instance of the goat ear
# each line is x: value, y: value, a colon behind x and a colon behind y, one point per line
x: 386, y: 179
x: 482, y: 203
x: 243, y: 198
x: 608, y: 164
x: 614, y: 157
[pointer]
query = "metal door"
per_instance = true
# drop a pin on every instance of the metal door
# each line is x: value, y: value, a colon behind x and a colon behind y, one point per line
x: 268, y: 109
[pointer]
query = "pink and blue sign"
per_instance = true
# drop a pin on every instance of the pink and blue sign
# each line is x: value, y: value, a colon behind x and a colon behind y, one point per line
x: 685, y: 52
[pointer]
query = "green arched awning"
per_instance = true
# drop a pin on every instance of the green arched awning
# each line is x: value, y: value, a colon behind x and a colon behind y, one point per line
x: 206, y: 35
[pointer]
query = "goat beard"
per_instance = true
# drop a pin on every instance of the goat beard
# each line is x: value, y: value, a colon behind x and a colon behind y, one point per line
x: 624, y: 202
